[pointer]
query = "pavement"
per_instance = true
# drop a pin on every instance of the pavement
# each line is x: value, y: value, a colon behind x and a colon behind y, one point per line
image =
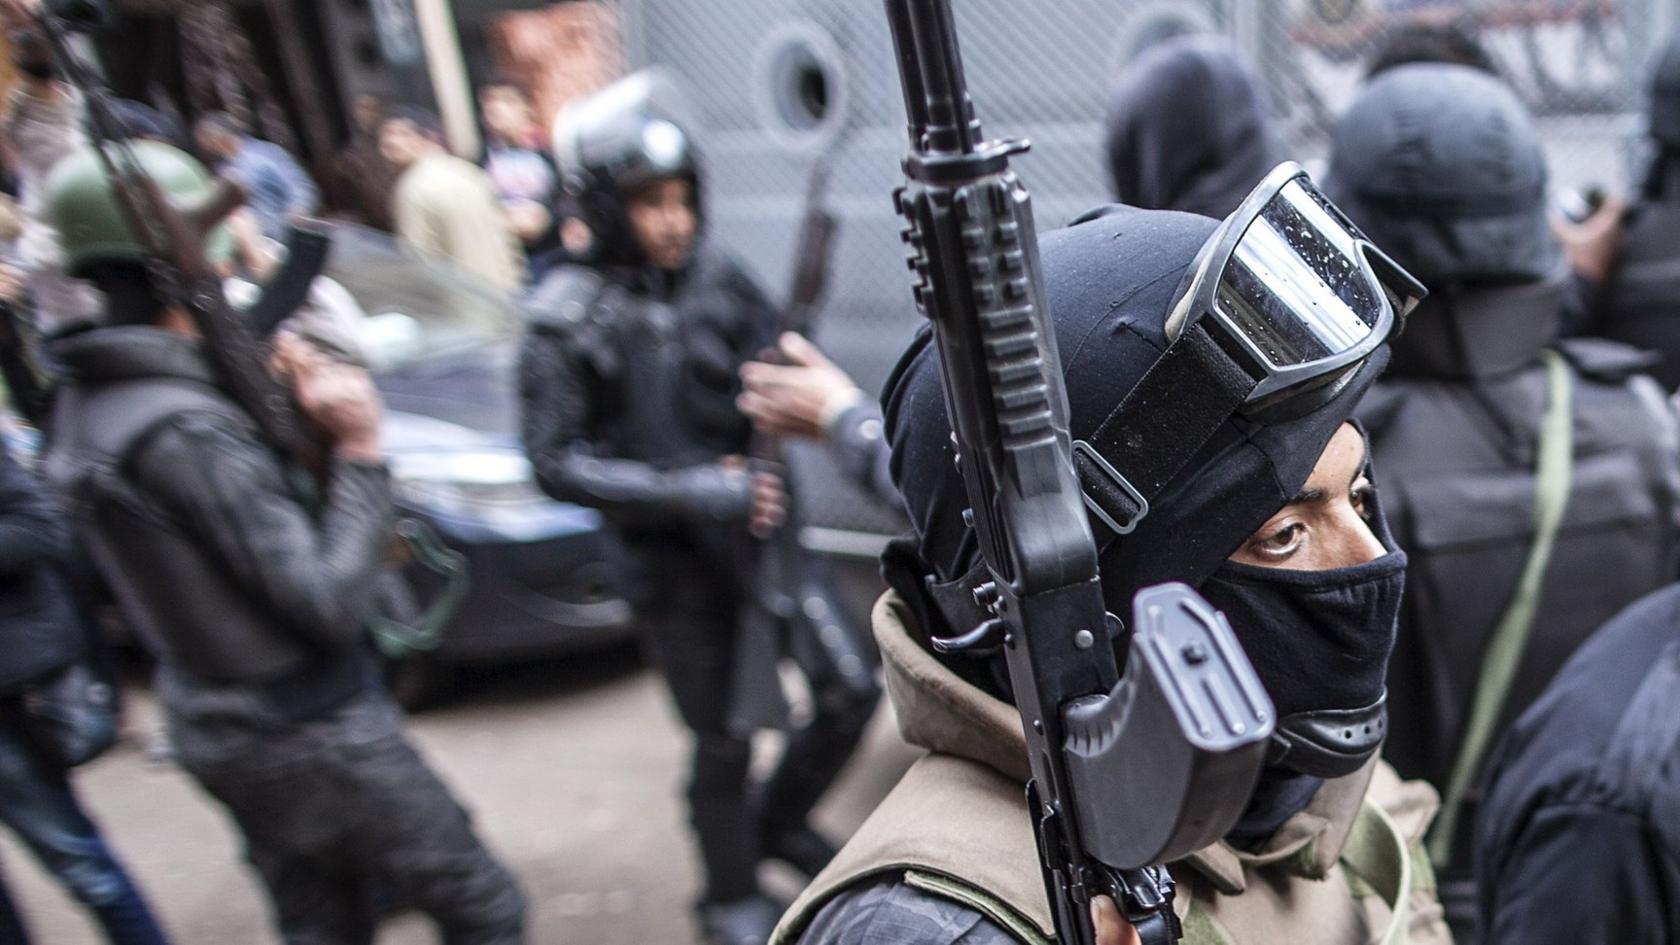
x: 573, y: 771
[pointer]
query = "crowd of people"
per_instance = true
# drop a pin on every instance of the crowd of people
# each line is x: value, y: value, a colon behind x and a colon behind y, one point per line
x: 1450, y: 557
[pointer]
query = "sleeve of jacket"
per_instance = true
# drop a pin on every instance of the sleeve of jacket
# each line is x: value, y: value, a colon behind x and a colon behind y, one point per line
x: 892, y: 913
x: 31, y: 526
x: 556, y: 400
x: 315, y: 572
x: 858, y: 443
x: 1581, y: 873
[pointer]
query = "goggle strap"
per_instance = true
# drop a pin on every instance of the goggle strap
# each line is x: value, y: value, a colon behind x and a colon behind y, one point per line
x: 1155, y: 430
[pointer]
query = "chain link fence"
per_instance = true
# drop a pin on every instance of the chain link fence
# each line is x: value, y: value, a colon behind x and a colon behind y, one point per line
x: 771, y: 84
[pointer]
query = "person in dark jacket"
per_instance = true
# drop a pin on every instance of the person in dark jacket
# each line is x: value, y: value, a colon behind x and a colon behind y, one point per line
x: 628, y: 382
x: 250, y: 582
x: 1441, y: 164
x: 41, y: 633
x: 1578, y: 839
x: 1187, y: 130
x: 1640, y: 301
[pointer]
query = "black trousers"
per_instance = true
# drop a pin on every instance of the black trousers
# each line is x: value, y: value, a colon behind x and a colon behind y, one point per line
x: 691, y: 604
x: 343, y: 819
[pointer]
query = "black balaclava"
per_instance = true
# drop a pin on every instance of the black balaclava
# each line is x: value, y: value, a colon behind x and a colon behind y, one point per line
x: 1326, y: 678
x: 1442, y: 167
x: 1187, y: 130
x: 1109, y: 282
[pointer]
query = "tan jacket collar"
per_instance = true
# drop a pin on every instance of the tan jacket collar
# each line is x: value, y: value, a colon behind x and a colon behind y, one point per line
x: 941, y: 712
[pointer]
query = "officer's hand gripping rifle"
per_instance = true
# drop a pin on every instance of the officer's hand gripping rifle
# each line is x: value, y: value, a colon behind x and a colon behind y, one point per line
x: 1128, y: 772
x: 174, y: 240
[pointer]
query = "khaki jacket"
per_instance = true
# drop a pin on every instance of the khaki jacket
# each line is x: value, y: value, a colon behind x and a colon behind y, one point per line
x: 957, y: 826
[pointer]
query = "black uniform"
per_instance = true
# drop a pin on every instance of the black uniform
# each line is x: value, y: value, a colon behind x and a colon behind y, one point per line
x: 254, y: 605
x: 628, y: 382
x: 1454, y: 436
x: 1579, y: 836
x: 1640, y: 302
x: 1442, y: 165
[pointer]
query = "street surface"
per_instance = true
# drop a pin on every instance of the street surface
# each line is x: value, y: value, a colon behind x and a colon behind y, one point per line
x: 573, y: 771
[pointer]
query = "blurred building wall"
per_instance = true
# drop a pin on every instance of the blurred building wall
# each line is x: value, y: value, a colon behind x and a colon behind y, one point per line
x: 778, y: 82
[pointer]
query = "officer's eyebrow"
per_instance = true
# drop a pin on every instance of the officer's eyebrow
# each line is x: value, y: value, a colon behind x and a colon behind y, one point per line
x: 1309, y: 494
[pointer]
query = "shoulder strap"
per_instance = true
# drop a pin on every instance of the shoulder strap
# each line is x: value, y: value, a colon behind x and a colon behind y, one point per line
x: 1376, y: 855
x: 1554, y: 475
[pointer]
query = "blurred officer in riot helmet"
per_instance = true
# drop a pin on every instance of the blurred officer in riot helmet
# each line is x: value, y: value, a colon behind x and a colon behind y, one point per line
x: 1640, y: 301
x: 1272, y: 518
x: 253, y: 591
x: 1532, y: 482
x: 628, y: 383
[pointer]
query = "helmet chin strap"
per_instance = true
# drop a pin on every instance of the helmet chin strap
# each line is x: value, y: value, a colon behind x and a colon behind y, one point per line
x: 1329, y: 743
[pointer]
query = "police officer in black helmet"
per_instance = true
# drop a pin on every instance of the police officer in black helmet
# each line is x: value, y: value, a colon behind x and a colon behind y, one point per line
x: 1532, y: 482
x: 628, y: 382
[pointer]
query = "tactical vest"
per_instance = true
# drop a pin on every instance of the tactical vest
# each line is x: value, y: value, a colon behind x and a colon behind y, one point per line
x: 642, y: 354
x: 1457, y: 464
x: 183, y: 606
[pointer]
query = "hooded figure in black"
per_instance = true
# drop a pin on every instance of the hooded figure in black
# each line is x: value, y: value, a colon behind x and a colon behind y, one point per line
x: 628, y: 379
x: 1441, y: 165
x: 1640, y: 302
x: 1271, y: 520
x: 1187, y: 130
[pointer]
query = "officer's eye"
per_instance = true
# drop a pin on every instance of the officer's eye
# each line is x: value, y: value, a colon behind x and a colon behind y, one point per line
x: 1281, y: 543
x: 1363, y: 498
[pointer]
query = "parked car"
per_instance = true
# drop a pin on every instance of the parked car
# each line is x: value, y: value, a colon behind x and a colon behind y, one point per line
x: 443, y: 351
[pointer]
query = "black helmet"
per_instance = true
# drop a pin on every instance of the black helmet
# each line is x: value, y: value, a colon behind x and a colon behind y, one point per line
x: 1665, y: 96
x: 1441, y: 165
x: 613, y: 142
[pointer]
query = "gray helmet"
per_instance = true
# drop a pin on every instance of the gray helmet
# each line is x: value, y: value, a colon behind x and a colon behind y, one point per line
x: 1441, y: 165
x: 1665, y: 95
x: 616, y: 140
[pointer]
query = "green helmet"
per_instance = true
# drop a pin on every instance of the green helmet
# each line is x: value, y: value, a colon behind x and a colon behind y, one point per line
x: 80, y: 205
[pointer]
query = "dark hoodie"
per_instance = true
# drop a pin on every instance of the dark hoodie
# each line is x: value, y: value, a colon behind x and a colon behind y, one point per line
x: 1187, y: 130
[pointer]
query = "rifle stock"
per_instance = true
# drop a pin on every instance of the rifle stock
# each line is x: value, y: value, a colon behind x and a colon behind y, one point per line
x: 1127, y: 772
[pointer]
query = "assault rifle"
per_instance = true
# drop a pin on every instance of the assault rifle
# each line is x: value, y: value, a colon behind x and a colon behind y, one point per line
x: 1133, y: 765
x: 174, y: 240
x: 780, y: 565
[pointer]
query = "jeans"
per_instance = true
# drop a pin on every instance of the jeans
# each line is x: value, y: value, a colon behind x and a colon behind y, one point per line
x: 37, y: 804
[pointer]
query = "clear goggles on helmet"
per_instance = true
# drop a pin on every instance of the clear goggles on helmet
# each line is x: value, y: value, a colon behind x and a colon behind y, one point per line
x: 1282, y: 305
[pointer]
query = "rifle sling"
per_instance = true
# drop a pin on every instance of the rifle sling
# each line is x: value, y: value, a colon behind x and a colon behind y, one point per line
x: 1554, y: 475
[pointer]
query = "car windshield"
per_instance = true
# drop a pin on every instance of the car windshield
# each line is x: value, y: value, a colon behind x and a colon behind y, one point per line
x: 416, y: 306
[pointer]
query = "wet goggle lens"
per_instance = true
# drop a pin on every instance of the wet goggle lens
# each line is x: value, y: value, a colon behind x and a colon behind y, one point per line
x: 1295, y: 287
